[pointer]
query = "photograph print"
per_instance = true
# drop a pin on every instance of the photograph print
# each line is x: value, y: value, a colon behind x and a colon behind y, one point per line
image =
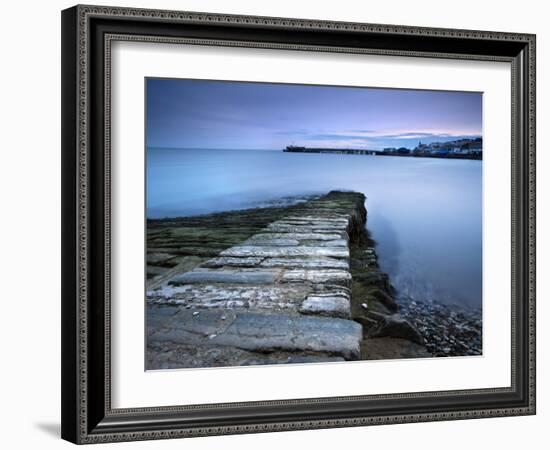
x: 293, y: 224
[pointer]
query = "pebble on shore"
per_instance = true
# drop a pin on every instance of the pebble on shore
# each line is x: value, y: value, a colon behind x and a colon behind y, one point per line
x: 448, y: 330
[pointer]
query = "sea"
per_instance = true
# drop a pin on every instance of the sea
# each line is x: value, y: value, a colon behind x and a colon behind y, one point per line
x: 424, y: 214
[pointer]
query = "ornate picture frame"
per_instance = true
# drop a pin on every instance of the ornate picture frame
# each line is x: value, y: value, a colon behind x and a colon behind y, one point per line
x: 88, y: 33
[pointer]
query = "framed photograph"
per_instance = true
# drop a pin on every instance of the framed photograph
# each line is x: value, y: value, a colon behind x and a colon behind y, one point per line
x: 283, y: 224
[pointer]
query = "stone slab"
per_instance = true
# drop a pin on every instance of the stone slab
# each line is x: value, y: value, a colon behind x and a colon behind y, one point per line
x: 155, y: 258
x: 297, y: 236
x: 333, y: 276
x: 341, y: 224
x: 232, y: 262
x: 305, y: 228
x: 333, y: 243
x: 275, y: 297
x: 265, y: 332
x: 306, y: 263
x: 243, y: 276
x: 274, y: 252
x: 156, y: 270
x: 329, y: 305
x: 271, y: 242
x: 167, y: 355
x: 323, y: 216
x: 281, y: 296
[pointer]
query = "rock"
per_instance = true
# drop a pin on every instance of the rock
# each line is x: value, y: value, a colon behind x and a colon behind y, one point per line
x: 447, y: 329
x: 384, y: 298
x: 393, y: 348
x: 374, y: 278
x: 376, y: 315
x: 366, y: 321
x: 396, y: 326
x: 330, y: 305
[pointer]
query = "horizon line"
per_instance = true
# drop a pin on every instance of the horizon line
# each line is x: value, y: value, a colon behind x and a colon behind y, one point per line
x: 164, y: 147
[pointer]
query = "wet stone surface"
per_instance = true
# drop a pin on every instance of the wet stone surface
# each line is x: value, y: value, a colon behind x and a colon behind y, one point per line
x: 283, y: 285
x: 281, y: 294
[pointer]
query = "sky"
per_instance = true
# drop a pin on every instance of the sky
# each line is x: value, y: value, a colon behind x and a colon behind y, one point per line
x: 242, y: 115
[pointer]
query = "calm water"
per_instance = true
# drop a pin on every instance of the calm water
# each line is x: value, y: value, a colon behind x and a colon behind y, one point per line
x: 424, y: 214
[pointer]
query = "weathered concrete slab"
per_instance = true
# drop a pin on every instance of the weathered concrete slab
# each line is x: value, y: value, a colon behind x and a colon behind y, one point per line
x: 271, y: 297
x: 306, y: 263
x: 331, y: 289
x: 265, y: 332
x: 304, y: 228
x: 287, y: 229
x: 274, y: 252
x: 159, y: 315
x: 244, y: 276
x: 324, y: 216
x: 155, y: 258
x: 282, y: 295
x: 271, y: 242
x: 337, y: 224
x: 156, y: 270
x: 292, y: 359
x: 167, y: 355
x: 329, y: 305
x: 232, y: 262
x: 333, y: 243
x: 333, y: 276
x: 297, y: 236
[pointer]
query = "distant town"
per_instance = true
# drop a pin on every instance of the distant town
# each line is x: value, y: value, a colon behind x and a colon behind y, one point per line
x: 457, y: 149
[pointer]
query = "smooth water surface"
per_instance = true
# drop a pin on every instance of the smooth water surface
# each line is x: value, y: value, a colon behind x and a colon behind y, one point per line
x: 425, y: 214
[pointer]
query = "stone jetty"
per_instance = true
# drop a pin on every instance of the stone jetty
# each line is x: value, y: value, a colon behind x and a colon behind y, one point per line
x: 282, y: 294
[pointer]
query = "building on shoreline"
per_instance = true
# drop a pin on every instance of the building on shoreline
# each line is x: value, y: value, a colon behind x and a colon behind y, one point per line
x: 457, y: 149
x: 343, y: 151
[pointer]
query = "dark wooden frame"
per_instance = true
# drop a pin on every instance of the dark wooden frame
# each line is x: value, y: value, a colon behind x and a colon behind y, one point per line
x: 87, y: 32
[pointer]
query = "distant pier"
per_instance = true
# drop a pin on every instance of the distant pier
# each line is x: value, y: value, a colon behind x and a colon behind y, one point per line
x: 476, y: 155
x: 343, y: 151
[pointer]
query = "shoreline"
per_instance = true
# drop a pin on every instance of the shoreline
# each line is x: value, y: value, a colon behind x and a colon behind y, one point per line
x: 351, y: 151
x: 462, y: 335
x: 277, y: 203
x: 390, y: 327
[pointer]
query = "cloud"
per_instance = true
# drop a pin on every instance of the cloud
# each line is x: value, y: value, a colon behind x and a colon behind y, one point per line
x: 300, y: 132
x: 342, y: 143
x: 373, y: 140
x: 378, y: 135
